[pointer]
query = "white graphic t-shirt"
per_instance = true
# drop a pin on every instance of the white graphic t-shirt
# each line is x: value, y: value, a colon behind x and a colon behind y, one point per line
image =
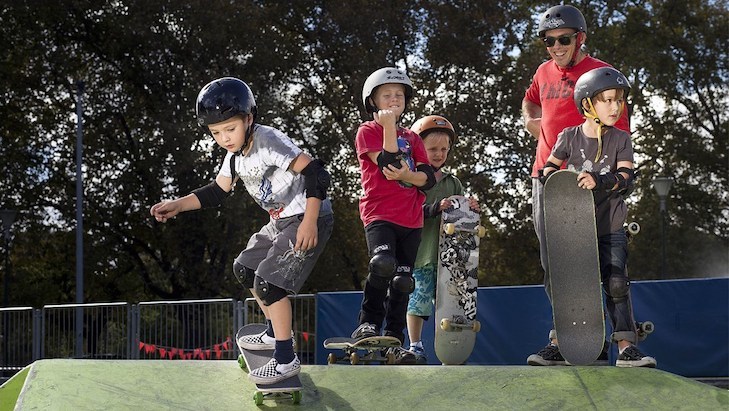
x: 265, y: 172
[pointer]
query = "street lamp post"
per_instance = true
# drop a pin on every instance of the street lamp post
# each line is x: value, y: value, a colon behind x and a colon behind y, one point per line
x: 8, y: 218
x: 662, y: 185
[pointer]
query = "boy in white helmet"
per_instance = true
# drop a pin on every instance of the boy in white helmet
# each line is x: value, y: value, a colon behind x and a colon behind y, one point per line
x: 603, y: 157
x: 286, y: 183
x: 395, y: 171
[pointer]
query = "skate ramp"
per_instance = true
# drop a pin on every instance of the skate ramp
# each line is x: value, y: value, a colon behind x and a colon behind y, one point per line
x: 222, y: 385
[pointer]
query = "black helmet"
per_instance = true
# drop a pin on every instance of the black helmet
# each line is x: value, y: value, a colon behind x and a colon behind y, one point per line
x: 382, y: 76
x: 560, y: 17
x: 596, y: 81
x: 222, y: 99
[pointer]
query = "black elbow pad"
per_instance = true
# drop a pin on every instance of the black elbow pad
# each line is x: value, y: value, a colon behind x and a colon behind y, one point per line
x: 316, y: 179
x: 211, y: 195
x: 429, y: 173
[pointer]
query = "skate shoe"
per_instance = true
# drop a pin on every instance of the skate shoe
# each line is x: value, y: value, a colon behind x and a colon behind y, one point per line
x: 402, y: 356
x: 257, y: 342
x: 274, y: 372
x: 548, y: 355
x: 419, y: 353
x: 365, y: 330
x: 632, y: 357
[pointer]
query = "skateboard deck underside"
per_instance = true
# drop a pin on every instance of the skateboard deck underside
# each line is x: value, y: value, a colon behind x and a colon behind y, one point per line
x: 457, y: 282
x: 574, y: 268
x: 256, y: 359
x: 372, y: 347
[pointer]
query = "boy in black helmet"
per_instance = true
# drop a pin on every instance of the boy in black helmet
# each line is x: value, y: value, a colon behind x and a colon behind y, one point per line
x: 286, y: 183
x: 547, y: 108
x: 603, y: 157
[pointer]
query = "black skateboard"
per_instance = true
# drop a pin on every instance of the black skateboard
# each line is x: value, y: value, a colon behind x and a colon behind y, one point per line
x: 371, y: 347
x: 250, y: 360
x: 574, y: 268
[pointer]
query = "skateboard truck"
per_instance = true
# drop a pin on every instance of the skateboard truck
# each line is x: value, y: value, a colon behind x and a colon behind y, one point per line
x: 450, y: 229
x: 643, y: 329
x: 459, y: 323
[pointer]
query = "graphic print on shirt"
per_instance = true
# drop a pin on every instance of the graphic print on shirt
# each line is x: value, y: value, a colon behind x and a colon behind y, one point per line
x: 564, y: 88
x: 406, y: 153
x: 269, y: 203
x: 589, y: 166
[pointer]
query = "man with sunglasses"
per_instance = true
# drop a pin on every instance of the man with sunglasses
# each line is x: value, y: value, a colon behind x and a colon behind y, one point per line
x: 547, y: 109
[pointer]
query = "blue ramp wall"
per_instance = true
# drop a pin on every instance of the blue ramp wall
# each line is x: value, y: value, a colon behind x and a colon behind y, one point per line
x: 691, y: 320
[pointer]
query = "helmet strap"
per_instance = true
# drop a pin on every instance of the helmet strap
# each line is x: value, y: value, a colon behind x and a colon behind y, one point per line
x: 592, y: 114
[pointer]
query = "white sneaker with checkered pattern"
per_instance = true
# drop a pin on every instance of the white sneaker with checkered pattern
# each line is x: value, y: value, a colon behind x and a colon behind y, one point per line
x: 274, y: 372
x: 257, y: 342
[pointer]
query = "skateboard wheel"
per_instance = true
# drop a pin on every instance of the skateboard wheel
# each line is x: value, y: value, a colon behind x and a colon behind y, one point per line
x: 354, y: 358
x: 449, y: 228
x: 390, y: 358
x: 647, y: 327
x: 296, y: 397
x: 331, y: 358
x: 241, y: 362
x: 445, y: 324
x: 633, y: 228
x: 258, y: 397
x: 476, y: 326
x: 481, y: 231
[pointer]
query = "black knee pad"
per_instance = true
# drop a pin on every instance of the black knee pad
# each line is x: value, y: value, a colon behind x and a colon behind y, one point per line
x: 403, y: 281
x: 243, y: 274
x: 382, y: 269
x: 267, y: 292
x: 618, y: 287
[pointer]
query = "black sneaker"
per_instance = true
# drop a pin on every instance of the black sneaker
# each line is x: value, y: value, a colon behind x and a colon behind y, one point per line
x: 402, y: 356
x: 548, y: 355
x: 365, y: 330
x: 632, y: 357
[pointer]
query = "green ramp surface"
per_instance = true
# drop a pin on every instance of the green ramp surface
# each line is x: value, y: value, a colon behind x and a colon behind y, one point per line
x: 221, y: 385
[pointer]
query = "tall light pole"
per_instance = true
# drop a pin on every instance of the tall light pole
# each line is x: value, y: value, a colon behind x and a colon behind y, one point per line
x: 662, y: 185
x: 8, y: 218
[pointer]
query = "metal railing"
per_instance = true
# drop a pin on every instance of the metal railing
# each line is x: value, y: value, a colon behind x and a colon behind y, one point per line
x: 171, y: 330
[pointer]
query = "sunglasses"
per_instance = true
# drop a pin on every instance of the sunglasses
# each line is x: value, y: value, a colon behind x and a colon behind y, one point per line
x: 565, y: 40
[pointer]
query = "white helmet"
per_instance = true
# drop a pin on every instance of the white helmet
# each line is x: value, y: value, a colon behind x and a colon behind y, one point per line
x: 382, y: 76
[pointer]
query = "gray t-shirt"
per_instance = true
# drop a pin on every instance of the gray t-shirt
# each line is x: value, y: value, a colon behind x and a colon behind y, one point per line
x: 579, y: 151
x: 265, y: 173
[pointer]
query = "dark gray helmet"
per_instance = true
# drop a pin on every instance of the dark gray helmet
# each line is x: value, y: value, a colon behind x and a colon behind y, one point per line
x: 222, y: 99
x: 596, y: 81
x: 382, y: 76
x: 560, y: 17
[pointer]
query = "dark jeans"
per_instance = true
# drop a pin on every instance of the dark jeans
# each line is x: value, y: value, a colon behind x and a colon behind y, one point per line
x: 613, y: 249
x: 389, y: 304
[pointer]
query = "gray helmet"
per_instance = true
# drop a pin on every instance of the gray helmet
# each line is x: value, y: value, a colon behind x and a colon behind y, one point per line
x: 596, y: 81
x: 222, y: 99
x: 560, y: 17
x: 382, y: 76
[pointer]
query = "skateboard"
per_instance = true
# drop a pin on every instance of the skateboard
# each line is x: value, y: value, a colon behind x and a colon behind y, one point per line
x: 289, y: 388
x: 574, y: 268
x: 643, y: 328
x: 457, y: 282
x: 371, y: 346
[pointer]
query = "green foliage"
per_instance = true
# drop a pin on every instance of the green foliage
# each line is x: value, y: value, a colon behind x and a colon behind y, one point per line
x: 142, y: 64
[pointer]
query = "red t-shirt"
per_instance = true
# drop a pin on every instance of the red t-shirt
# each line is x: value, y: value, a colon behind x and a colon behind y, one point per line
x: 552, y: 89
x: 383, y: 199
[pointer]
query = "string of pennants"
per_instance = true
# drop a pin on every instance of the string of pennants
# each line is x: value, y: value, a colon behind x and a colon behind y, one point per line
x: 204, y: 353
x: 171, y: 353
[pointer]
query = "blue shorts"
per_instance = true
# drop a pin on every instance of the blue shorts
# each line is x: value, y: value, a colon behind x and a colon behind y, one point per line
x: 422, y: 299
